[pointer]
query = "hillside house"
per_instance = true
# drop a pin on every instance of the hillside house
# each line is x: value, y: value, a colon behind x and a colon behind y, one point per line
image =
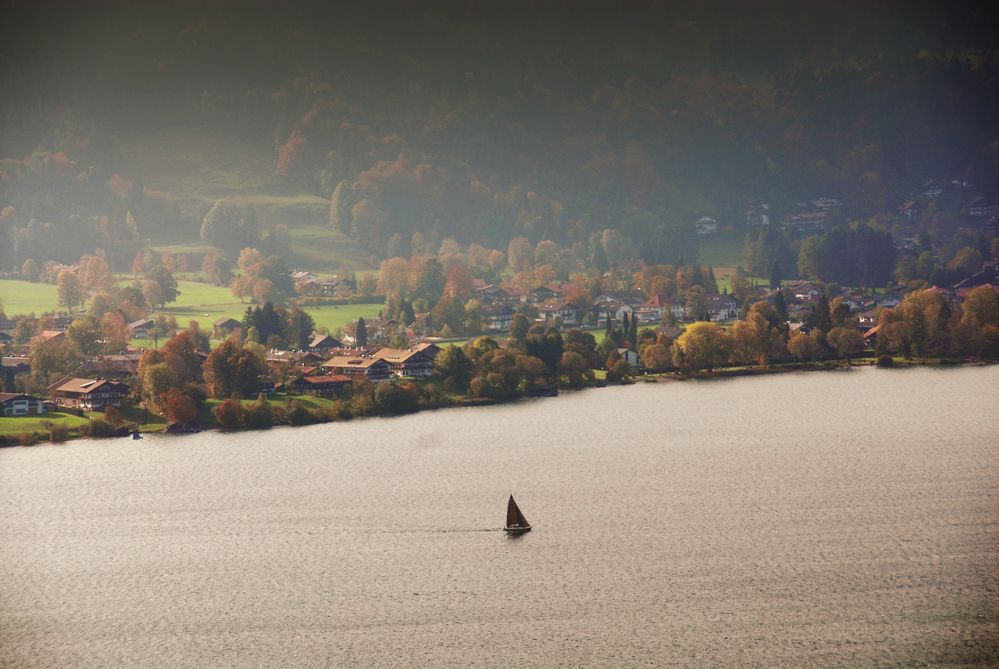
x: 564, y: 310
x: 706, y: 225
x: 497, y: 316
x: 757, y: 213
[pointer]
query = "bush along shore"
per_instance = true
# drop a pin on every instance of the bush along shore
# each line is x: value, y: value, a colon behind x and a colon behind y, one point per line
x: 364, y: 399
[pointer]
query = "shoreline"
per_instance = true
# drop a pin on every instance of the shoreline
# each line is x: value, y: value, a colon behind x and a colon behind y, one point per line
x: 466, y: 402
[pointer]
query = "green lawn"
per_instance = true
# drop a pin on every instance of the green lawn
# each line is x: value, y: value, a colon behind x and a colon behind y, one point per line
x: 319, y: 248
x: 24, y: 297
x: 205, y: 304
x: 16, y: 425
x: 720, y: 250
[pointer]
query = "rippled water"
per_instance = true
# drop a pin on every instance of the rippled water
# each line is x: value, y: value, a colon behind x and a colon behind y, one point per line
x: 808, y: 519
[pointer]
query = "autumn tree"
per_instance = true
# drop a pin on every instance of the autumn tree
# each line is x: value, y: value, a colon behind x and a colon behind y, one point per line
x: 68, y: 290
x: 702, y: 345
x: 165, y: 289
x: 84, y: 336
x: 231, y: 370
x: 454, y: 368
x: 847, y: 342
x: 178, y: 406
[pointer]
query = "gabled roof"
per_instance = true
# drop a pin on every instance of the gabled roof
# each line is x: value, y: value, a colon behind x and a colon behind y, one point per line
x: 353, y: 362
x: 85, y: 386
x: 6, y: 397
x: 400, y: 355
x: 323, y: 380
x: 324, y: 340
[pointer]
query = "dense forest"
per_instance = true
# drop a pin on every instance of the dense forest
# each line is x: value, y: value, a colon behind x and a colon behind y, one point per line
x: 485, y: 122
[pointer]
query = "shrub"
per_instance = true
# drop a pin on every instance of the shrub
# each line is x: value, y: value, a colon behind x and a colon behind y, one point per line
x: 98, y: 428
x: 26, y: 438
x: 340, y: 410
x: 229, y: 414
x: 258, y: 416
x: 58, y: 432
x: 298, y: 414
x: 885, y: 361
x: 112, y: 415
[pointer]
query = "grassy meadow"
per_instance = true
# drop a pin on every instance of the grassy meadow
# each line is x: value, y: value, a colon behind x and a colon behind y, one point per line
x: 24, y: 297
x: 196, y: 169
x: 199, y: 302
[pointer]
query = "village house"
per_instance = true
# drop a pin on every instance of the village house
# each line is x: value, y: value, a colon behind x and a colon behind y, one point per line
x: 811, y: 215
x: 377, y: 330
x: 558, y: 309
x: 721, y: 307
x: 977, y: 206
x: 497, y: 316
x: 757, y: 213
x: 225, y: 326
x: 413, y: 362
x: 359, y: 366
x: 648, y: 315
x: 543, y: 294
x: 932, y: 188
x: 323, y: 343
x: 48, y: 335
x: 88, y: 394
x: 613, y: 310
x: 628, y: 356
x: 19, y: 404
x: 706, y: 225
x: 889, y: 300
x: 317, y: 386
x: 116, y: 366
x: 910, y: 209
x: 140, y: 328
x: 868, y: 319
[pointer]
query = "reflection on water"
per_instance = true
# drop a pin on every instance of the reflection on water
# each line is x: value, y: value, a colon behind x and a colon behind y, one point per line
x: 824, y: 519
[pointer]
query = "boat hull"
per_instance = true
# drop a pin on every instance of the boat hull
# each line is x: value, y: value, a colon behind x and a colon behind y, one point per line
x: 517, y: 530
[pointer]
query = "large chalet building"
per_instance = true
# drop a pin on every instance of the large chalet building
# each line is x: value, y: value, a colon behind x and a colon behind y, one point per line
x: 416, y: 361
x: 87, y: 394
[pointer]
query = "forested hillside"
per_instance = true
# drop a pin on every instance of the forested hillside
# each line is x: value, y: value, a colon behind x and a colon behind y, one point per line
x: 480, y: 121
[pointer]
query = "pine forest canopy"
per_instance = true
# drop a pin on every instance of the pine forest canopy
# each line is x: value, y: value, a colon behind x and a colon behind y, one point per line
x: 489, y: 121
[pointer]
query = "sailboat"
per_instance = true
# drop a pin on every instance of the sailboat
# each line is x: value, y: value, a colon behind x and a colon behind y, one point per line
x: 515, y: 521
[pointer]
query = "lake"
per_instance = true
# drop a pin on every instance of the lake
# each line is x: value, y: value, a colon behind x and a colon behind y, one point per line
x: 809, y: 519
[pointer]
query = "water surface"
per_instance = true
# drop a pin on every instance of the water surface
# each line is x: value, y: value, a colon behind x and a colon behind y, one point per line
x: 830, y: 519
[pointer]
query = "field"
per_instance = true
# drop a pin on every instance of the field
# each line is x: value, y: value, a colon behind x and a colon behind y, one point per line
x: 10, y: 425
x: 23, y: 297
x: 199, y: 302
x: 196, y: 169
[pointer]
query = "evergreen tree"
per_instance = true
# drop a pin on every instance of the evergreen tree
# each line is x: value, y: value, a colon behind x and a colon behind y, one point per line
x: 775, y: 275
x: 820, y: 315
x: 780, y: 305
x: 361, y: 336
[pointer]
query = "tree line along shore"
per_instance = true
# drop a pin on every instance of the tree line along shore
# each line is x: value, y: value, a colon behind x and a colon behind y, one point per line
x: 188, y: 385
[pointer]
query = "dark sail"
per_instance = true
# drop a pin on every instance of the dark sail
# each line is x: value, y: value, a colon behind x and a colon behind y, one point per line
x: 514, y: 518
